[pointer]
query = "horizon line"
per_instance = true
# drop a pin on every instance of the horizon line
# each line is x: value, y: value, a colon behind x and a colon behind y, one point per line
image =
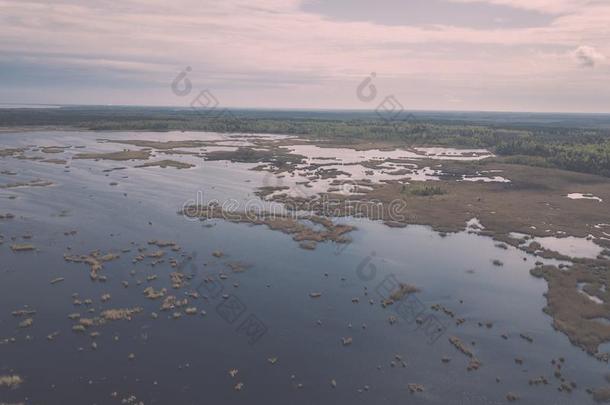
x: 4, y: 105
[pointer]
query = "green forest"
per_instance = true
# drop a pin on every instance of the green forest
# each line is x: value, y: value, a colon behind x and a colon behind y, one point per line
x: 572, y: 142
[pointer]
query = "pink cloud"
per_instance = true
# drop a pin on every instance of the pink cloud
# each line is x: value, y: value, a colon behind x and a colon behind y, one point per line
x: 273, y: 43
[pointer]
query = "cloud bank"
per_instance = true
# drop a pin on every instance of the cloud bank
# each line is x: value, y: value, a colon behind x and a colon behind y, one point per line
x: 280, y: 54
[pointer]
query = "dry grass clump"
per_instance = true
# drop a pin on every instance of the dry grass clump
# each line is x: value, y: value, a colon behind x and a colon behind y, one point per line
x: 31, y: 183
x: 573, y: 312
x: 94, y: 259
x: 423, y: 190
x: 402, y: 291
x: 11, y: 151
x: 22, y: 247
x: 293, y: 225
x: 26, y: 323
x: 177, y: 279
x: 473, y: 363
x: 10, y: 381
x: 119, y: 156
x: 153, y: 294
x: 167, y: 163
x: 121, y: 313
x: 164, y: 243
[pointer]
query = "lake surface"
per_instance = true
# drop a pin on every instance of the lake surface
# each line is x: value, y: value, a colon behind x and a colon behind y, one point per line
x: 263, y: 312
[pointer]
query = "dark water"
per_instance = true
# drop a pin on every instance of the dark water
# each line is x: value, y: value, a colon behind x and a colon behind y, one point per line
x: 187, y: 361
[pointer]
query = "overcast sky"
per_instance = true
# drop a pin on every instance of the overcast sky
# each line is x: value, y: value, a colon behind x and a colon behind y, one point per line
x: 516, y: 55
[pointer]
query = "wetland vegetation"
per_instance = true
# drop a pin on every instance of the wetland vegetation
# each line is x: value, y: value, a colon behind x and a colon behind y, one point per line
x: 572, y: 142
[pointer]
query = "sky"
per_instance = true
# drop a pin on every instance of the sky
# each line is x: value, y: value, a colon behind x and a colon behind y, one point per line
x: 484, y: 55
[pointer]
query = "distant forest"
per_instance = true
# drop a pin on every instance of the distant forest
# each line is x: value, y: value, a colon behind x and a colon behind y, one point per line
x: 577, y: 142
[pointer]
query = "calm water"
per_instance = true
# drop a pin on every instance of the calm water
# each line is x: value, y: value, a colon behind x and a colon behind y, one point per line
x: 187, y: 361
